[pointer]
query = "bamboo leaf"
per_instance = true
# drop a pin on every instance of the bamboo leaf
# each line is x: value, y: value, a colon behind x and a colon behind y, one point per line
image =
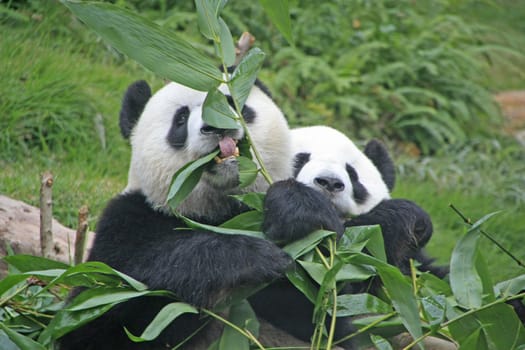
x: 163, y: 319
x: 66, y: 321
x: 23, y: 342
x: 245, y: 74
x: 25, y: 263
x: 252, y: 199
x: 160, y: 51
x: 207, y: 18
x: 186, y: 178
x: 248, y: 171
x: 304, y: 245
x: 102, y: 296
x: 217, y: 112
x: 464, y: 278
x: 250, y: 220
x: 301, y: 281
x: 360, y: 304
x: 498, y: 327
x: 399, y: 290
x: 380, y: 343
x: 243, y: 316
x: 279, y: 14
x: 226, y: 42
x: 222, y: 230
x: 434, y: 309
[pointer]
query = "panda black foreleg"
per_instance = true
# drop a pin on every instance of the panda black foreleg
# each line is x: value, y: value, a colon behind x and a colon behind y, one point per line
x: 292, y: 210
x: 406, y: 229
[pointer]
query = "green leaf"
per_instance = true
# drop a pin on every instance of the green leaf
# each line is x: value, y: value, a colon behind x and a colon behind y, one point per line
x: 304, y: 245
x: 216, y: 111
x: 380, y: 343
x: 226, y: 42
x: 464, y: 278
x: 162, y: 320
x: 279, y: 14
x: 498, y: 326
x: 243, y: 316
x: 360, y: 304
x: 252, y: 199
x: 23, y: 342
x: 357, y: 237
x: 250, y: 220
x: 95, y: 268
x: 355, y: 273
x: 505, y: 288
x: 247, y: 171
x: 301, y: 281
x: 26, y: 263
x: 245, y: 74
x: 316, y: 271
x: 434, y: 309
x: 208, y: 18
x: 186, y: 178
x: 163, y: 52
x: 102, y: 296
x: 5, y: 342
x: 328, y: 284
x: 222, y: 230
x: 399, y: 289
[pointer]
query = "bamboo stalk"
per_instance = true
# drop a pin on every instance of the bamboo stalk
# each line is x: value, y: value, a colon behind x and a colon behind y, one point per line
x: 46, y: 214
x: 80, y: 237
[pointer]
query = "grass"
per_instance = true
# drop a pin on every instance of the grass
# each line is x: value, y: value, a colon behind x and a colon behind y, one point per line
x: 60, y: 77
x: 482, y: 177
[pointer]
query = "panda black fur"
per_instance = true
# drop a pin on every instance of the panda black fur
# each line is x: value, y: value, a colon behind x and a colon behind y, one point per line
x: 357, y: 184
x: 136, y: 231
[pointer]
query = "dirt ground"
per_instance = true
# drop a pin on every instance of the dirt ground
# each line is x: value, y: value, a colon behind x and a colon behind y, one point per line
x: 513, y: 106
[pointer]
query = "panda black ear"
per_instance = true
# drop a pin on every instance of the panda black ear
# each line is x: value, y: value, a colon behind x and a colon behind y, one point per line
x: 378, y: 154
x: 133, y: 103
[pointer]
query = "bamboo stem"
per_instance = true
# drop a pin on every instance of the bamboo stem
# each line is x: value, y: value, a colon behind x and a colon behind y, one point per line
x: 46, y: 214
x: 80, y: 237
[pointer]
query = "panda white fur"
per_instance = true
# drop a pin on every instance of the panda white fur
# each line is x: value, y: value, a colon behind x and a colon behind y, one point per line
x: 137, y: 234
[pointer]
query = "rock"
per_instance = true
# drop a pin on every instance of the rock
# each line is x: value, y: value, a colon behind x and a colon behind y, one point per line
x: 512, y: 105
x: 20, y: 229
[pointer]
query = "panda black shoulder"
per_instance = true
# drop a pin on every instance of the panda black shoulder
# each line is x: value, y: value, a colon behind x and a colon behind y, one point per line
x: 128, y: 221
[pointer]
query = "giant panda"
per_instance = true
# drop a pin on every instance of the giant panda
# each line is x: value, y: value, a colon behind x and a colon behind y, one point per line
x: 139, y: 235
x: 357, y: 185
x: 336, y: 185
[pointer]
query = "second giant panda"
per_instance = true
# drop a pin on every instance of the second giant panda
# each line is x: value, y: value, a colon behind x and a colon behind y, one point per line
x: 357, y: 185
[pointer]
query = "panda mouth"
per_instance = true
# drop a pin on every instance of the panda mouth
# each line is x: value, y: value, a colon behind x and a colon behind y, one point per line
x: 228, y: 149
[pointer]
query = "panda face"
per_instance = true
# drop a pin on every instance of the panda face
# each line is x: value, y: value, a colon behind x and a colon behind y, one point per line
x: 337, y: 168
x: 170, y: 132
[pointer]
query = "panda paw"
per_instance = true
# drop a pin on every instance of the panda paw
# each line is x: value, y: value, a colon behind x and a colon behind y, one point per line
x: 293, y: 210
x: 405, y: 226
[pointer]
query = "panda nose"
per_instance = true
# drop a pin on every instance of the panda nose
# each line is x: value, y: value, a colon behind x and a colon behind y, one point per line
x: 331, y: 184
x: 208, y: 129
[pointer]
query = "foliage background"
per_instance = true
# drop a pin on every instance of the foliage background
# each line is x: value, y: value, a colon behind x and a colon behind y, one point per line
x: 62, y: 86
x: 420, y: 76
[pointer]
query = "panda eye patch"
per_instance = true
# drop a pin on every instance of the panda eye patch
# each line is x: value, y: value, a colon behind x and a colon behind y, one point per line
x: 300, y: 160
x: 360, y: 192
x: 181, y: 116
x: 179, y: 132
